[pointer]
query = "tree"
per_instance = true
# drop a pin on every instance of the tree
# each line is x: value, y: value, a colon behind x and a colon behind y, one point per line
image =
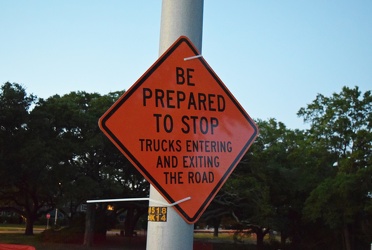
x: 342, y: 126
x: 55, y: 155
x: 26, y: 186
x: 96, y: 169
x: 268, y: 172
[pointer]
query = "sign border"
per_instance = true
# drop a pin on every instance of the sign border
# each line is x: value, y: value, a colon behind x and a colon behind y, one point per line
x: 142, y: 169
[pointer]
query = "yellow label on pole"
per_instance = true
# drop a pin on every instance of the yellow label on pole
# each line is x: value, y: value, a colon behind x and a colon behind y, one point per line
x: 157, y: 214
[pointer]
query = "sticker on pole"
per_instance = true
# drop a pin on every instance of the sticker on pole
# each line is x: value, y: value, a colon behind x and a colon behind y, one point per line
x: 181, y: 128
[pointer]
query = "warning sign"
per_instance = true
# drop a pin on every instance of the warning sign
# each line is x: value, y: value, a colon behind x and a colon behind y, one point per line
x: 182, y: 128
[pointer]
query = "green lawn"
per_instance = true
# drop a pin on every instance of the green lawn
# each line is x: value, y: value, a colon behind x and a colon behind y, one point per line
x: 13, y: 234
x: 17, y: 227
x: 19, y: 238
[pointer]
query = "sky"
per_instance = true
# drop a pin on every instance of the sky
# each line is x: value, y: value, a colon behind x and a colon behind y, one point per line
x: 274, y: 56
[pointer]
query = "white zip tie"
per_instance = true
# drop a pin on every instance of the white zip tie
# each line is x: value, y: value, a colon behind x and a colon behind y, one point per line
x: 141, y: 199
x: 192, y: 57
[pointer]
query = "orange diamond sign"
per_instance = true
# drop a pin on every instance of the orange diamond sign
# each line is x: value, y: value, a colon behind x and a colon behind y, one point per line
x: 181, y: 128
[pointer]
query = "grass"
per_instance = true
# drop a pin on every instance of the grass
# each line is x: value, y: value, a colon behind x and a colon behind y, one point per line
x: 33, y: 240
x: 225, y: 237
x: 17, y: 238
x: 18, y: 228
x: 14, y: 234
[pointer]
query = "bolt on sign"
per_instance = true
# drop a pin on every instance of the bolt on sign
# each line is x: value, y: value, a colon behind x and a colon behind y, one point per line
x: 181, y: 128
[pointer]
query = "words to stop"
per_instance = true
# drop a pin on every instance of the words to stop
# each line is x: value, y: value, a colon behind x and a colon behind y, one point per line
x: 185, y: 100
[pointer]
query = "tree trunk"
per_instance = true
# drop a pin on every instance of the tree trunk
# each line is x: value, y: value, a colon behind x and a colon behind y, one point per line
x: 283, y: 240
x: 215, y: 231
x: 29, y: 225
x: 128, y: 228
x: 346, y: 234
x: 216, y: 224
x: 89, y: 225
x: 260, y: 240
x: 260, y: 234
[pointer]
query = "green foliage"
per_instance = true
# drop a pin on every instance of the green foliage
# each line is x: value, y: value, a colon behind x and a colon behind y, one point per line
x: 289, y: 182
x: 55, y: 156
x: 338, y: 203
x: 20, y: 166
x: 341, y: 125
x: 313, y: 186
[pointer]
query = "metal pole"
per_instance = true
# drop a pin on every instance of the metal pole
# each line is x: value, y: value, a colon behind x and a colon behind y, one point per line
x: 178, y: 17
x: 181, y: 17
x: 55, y: 217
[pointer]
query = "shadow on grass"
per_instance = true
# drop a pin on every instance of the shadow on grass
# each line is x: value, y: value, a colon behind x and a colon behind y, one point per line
x: 114, y: 242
